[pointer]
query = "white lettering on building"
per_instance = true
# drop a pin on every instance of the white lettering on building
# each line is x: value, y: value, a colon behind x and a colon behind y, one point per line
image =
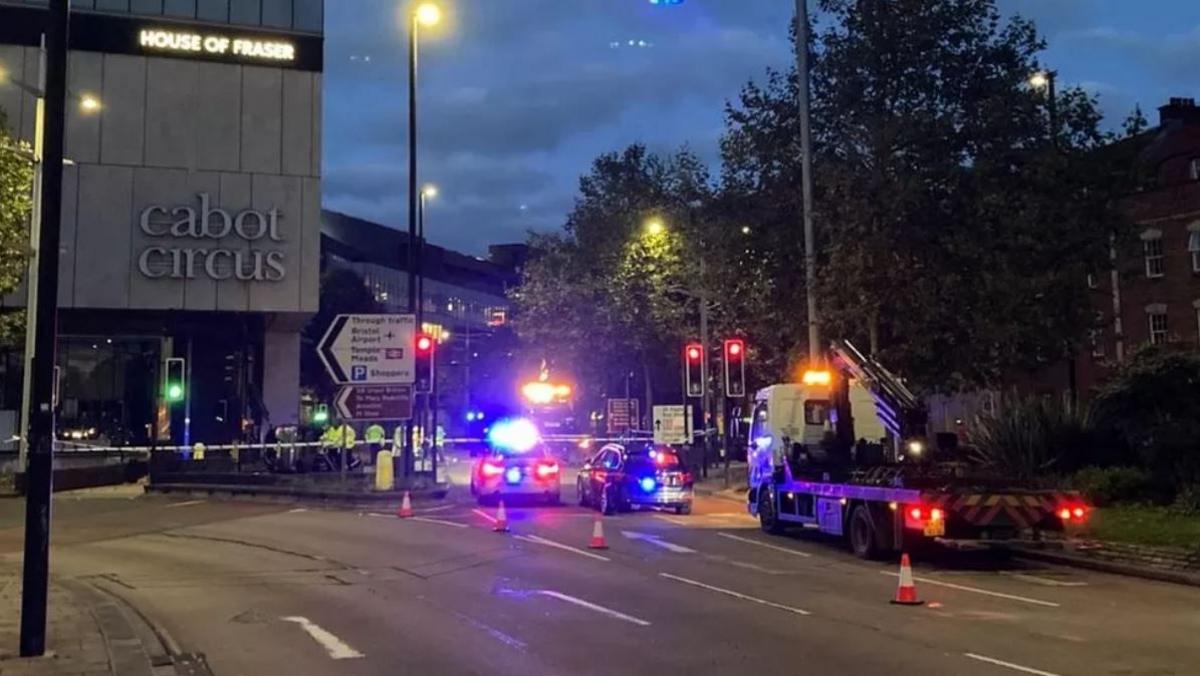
x: 211, y: 224
x: 251, y: 48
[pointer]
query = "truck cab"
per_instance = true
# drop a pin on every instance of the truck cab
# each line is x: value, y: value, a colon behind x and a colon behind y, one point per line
x: 788, y: 419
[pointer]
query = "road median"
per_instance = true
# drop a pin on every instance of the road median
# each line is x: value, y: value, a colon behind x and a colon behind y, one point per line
x: 301, y: 493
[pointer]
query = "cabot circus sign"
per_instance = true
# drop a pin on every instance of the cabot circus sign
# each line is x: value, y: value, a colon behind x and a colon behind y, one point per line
x: 207, y: 241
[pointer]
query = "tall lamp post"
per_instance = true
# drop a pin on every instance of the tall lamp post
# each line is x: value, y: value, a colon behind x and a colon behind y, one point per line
x: 428, y: 192
x: 425, y: 14
x: 806, y: 182
x: 36, y: 571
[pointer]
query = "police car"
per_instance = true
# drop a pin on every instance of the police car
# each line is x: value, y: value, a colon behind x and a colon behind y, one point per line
x: 617, y: 478
x: 516, y: 464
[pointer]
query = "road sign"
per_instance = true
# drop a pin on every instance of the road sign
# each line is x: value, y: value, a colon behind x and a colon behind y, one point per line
x: 622, y: 415
x: 375, y: 402
x: 369, y: 349
x: 672, y: 425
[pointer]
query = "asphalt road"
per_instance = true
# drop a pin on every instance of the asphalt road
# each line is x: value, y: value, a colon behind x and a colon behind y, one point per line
x: 266, y: 589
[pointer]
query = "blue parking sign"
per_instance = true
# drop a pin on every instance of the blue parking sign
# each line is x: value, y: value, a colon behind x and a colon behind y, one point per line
x: 358, y: 373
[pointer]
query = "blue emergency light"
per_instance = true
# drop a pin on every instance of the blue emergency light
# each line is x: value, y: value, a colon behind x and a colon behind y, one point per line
x: 517, y: 435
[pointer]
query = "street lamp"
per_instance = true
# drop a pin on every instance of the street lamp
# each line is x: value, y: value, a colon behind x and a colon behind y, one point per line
x: 89, y: 103
x: 1044, y: 80
x: 655, y: 227
x: 425, y: 14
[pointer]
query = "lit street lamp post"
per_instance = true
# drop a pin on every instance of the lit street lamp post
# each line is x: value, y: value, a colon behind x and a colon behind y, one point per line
x: 806, y: 182
x: 425, y: 14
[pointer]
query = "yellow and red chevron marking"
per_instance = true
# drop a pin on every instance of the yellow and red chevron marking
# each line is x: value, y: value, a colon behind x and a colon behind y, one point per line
x: 983, y: 509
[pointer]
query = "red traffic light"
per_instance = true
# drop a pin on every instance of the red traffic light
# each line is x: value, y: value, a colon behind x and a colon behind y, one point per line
x: 693, y: 353
x: 424, y: 343
x: 734, y: 348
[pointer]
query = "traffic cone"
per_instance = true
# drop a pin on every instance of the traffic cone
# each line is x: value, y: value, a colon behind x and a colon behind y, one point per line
x: 501, y: 525
x: 906, y: 592
x: 598, y: 535
x: 406, y: 510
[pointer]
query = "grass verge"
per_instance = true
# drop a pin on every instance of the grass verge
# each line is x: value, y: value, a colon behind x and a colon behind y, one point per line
x: 1144, y: 525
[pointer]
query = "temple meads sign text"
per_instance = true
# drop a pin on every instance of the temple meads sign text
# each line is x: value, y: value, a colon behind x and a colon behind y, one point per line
x: 188, y: 229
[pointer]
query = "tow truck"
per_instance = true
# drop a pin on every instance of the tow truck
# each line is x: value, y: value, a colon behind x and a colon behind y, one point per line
x: 886, y: 489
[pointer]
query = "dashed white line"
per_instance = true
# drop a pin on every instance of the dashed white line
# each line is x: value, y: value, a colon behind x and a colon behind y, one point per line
x: 484, y: 514
x: 592, y: 606
x: 678, y: 521
x: 751, y: 541
x: 976, y: 590
x: 1010, y: 665
x: 440, y: 522
x: 558, y: 545
x: 189, y: 503
x: 736, y: 595
x: 439, y: 508
x: 657, y: 542
x: 1044, y: 581
x: 334, y: 646
x: 297, y: 510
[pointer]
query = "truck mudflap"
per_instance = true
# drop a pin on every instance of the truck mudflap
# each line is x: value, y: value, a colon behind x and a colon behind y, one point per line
x: 1019, y: 510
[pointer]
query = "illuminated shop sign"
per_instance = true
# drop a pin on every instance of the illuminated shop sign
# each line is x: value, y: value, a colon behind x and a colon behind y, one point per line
x: 217, y: 45
x: 204, y: 241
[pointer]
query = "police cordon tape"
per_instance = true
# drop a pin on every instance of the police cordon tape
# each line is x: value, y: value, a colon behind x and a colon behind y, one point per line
x: 66, y: 446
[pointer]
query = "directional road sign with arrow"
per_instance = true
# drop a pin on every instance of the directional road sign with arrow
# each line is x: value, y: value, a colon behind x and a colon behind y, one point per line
x: 369, y: 349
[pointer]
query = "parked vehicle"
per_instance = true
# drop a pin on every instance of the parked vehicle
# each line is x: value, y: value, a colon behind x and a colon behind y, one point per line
x: 620, y: 479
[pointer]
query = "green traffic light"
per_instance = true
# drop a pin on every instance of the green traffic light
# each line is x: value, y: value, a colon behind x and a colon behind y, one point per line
x: 174, y: 392
x: 321, y: 416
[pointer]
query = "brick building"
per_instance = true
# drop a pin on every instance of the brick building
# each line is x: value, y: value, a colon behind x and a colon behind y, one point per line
x: 1153, y: 293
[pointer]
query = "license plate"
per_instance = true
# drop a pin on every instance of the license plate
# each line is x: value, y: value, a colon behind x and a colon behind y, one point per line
x: 935, y: 528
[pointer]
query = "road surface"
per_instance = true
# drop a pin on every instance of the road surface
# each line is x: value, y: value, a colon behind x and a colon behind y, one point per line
x: 275, y: 589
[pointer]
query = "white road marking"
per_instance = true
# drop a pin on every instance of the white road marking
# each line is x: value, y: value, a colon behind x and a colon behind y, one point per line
x: 424, y: 519
x: 753, y: 566
x: 186, y: 504
x: 439, y: 508
x: 752, y: 541
x: 380, y: 515
x: 1009, y: 665
x: 297, y: 510
x: 736, y: 595
x: 592, y: 606
x: 1045, y: 581
x: 485, y: 515
x: 658, y: 542
x: 976, y: 590
x: 336, y: 647
x: 678, y: 521
x: 558, y: 545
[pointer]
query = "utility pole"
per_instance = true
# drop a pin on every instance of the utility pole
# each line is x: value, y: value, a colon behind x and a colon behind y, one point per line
x: 413, y: 307
x: 810, y: 245
x: 39, y: 474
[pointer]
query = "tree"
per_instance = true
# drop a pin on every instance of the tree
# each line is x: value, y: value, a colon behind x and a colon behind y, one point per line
x: 16, y: 201
x: 342, y: 292
x: 955, y: 228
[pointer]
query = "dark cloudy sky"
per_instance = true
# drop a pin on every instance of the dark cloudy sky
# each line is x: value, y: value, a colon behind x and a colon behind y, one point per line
x: 518, y: 96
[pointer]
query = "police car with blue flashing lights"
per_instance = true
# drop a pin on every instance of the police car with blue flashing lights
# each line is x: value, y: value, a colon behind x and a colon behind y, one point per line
x: 516, y: 464
x: 620, y: 479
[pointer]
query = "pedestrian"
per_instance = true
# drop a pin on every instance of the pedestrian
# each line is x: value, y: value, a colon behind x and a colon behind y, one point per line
x: 374, y: 436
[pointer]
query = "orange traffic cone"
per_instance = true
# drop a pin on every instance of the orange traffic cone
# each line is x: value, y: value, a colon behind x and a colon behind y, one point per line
x: 906, y: 592
x: 406, y: 510
x: 598, y: 535
x: 501, y: 525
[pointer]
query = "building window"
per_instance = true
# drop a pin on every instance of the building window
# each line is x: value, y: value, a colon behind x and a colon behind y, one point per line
x: 1194, y: 248
x: 1158, y: 328
x: 1194, y: 169
x: 1153, y: 250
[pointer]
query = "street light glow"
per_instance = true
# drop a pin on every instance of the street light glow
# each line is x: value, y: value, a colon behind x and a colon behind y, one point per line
x: 655, y: 227
x: 428, y: 14
x: 745, y: 230
x: 1039, y: 80
x: 429, y: 191
x: 89, y: 103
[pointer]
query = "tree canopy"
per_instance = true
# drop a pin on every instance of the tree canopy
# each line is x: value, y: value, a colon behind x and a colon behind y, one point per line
x: 16, y: 200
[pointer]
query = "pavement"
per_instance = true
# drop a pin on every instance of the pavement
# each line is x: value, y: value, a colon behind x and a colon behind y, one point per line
x: 268, y: 588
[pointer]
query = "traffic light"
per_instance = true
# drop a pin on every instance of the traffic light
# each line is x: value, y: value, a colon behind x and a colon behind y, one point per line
x: 735, y: 368
x: 423, y: 375
x: 175, y: 383
x: 320, y: 414
x: 693, y: 369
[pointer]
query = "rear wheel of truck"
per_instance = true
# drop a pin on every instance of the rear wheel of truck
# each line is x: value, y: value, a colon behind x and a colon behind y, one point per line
x: 767, y: 517
x: 862, y: 533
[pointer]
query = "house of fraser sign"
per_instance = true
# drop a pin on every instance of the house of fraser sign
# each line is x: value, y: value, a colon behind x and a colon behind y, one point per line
x: 204, y: 241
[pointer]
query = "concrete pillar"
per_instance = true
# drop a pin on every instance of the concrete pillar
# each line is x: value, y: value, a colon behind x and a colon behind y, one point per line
x: 281, y: 376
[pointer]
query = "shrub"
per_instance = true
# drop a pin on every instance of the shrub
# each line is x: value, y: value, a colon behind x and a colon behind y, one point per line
x: 1105, y: 486
x: 1187, y: 501
x: 1028, y: 438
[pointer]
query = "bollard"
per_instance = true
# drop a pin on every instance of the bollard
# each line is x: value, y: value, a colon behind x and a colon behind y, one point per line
x: 385, y: 473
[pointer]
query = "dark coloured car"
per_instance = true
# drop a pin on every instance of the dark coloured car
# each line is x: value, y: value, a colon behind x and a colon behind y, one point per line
x: 619, y: 479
